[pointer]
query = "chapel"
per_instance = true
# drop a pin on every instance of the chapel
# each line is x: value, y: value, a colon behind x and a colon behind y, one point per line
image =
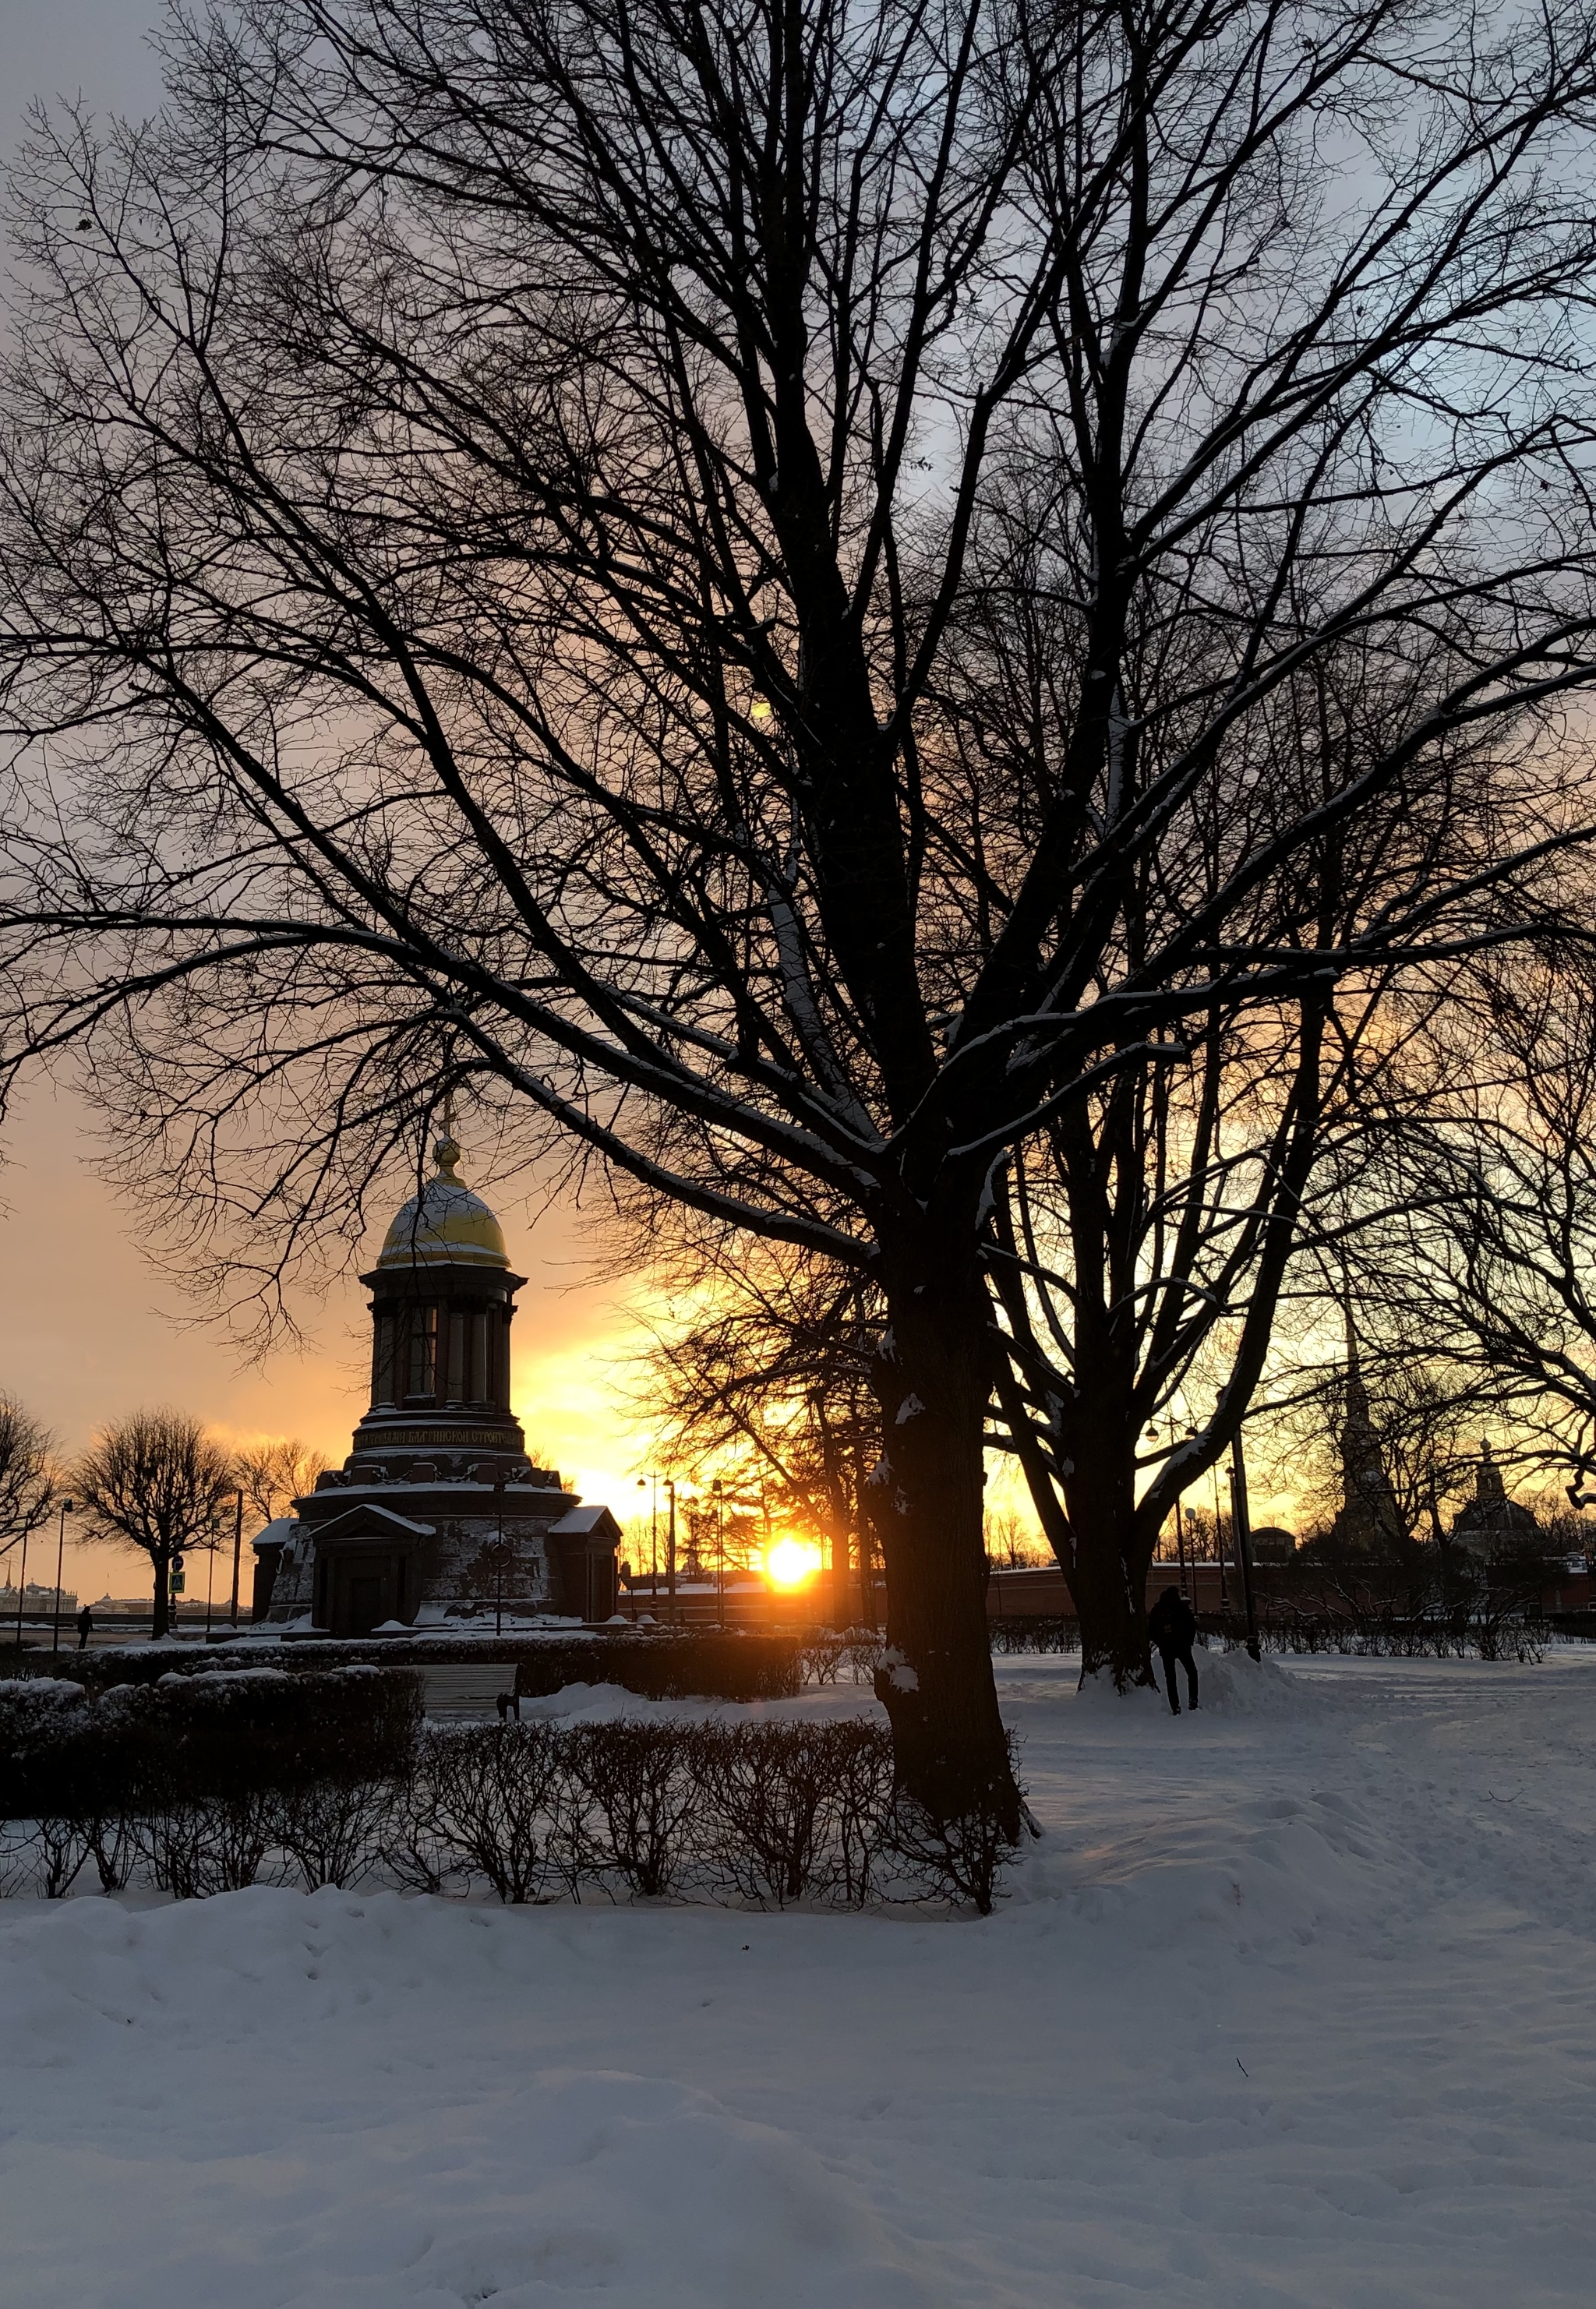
x: 437, y: 1517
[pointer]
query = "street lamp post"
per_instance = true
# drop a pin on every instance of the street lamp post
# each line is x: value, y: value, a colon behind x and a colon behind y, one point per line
x: 1242, y: 1525
x: 60, y: 1551
x: 237, y: 1549
x: 720, y: 1549
x: 670, y: 1550
x: 1179, y: 1509
x: 498, y: 1605
x: 22, y: 1587
x: 1219, y: 1548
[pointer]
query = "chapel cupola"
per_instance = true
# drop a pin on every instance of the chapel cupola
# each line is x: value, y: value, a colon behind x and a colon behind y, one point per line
x: 443, y: 1302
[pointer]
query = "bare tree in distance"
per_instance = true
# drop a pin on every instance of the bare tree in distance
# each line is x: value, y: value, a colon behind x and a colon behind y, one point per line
x: 1486, y: 1171
x: 28, y: 1483
x: 1012, y: 1544
x: 275, y: 1472
x: 772, y: 1369
x: 1143, y: 1251
x: 500, y: 505
x: 157, y: 1483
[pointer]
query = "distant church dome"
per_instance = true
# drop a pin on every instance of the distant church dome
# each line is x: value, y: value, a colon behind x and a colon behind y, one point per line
x: 444, y: 1226
x: 1490, y: 1521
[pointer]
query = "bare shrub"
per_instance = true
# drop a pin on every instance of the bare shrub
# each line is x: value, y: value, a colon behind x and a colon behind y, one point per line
x: 865, y: 1655
x: 1034, y: 1631
x: 197, y: 1846
x: 495, y: 1795
x: 59, y: 1848
x: 644, y: 1785
x: 335, y: 1832
x: 823, y: 1657
x: 16, y: 1858
x: 415, y: 1854
x: 962, y: 1857
x: 861, y: 1757
x: 114, y: 1845
x: 775, y: 1791
x: 702, y: 1663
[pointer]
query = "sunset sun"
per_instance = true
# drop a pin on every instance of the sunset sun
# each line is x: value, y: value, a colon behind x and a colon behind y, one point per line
x: 789, y: 1562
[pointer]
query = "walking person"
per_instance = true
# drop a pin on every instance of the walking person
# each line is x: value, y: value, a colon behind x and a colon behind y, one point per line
x: 1172, y: 1624
x: 85, y: 1627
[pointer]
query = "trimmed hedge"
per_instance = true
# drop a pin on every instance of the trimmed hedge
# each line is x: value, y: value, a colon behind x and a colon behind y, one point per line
x: 747, y: 1815
x: 1034, y: 1631
x: 714, y: 1663
x: 704, y: 1666
x: 188, y: 1737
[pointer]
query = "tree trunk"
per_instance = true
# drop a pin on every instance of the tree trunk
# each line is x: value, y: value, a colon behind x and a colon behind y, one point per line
x: 1111, y: 1554
x: 161, y: 1615
x: 932, y: 1380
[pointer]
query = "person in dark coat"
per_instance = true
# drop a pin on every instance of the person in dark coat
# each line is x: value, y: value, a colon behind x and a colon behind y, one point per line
x: 1172, y: 1624
x: 85, y: 1627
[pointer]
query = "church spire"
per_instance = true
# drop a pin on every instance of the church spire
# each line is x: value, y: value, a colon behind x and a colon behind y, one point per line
x: 1370, y: 1517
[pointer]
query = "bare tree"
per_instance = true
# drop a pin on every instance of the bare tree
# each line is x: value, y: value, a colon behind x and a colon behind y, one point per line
x: 274, y: 1473
x: 1011, y: 1543
x: 1140, y: 1255
x: 773, y: 1375
x: 29, y: 1484
x: 158, y: 1483
x: 1487, y: 1169
x: 495, y: 498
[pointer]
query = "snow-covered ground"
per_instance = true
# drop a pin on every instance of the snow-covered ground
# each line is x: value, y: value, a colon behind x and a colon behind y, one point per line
x: 1293, y: 2004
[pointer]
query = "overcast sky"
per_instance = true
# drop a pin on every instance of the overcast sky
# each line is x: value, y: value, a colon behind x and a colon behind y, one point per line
x: 92, y: 49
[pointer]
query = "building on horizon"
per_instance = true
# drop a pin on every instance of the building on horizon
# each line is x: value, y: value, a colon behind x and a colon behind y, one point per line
x: 437, y: 1516
x: 1369, y: 1520
x: 1490, y: 1523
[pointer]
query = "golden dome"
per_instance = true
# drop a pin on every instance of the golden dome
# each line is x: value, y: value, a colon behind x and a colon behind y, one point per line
x: 445, y: 1224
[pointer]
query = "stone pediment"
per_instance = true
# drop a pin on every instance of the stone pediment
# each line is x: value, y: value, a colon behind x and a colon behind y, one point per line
x: 586, y: 1523
x: 368, y: 1521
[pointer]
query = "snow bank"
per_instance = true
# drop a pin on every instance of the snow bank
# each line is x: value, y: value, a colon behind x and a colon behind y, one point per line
x: 1289, y: 2011
x: 1228, y: 1682
x: 381, y: 2163
x: 1238, y: 1685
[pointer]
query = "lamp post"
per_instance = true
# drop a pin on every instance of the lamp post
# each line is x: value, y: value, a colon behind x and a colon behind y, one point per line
x: 1241, y: 1523
x: 238, y: 1547
x: 498, y: 1605
x: 22, y: 1587
x: 719, y: 1551
x: 670, y: 1550
x: 60, y: 1551
x: 651, y: 1483
x: 1180, y: 1507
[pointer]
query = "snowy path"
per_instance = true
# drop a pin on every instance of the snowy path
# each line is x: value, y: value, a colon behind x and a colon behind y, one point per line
x: 1372, y: 1892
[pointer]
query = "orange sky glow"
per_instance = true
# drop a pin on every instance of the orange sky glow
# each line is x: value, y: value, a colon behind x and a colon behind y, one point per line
x: 91, y: 1332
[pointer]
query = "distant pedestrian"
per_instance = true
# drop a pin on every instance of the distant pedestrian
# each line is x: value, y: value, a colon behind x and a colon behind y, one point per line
x: 1172, y: 1624
x: 85, y: 1627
